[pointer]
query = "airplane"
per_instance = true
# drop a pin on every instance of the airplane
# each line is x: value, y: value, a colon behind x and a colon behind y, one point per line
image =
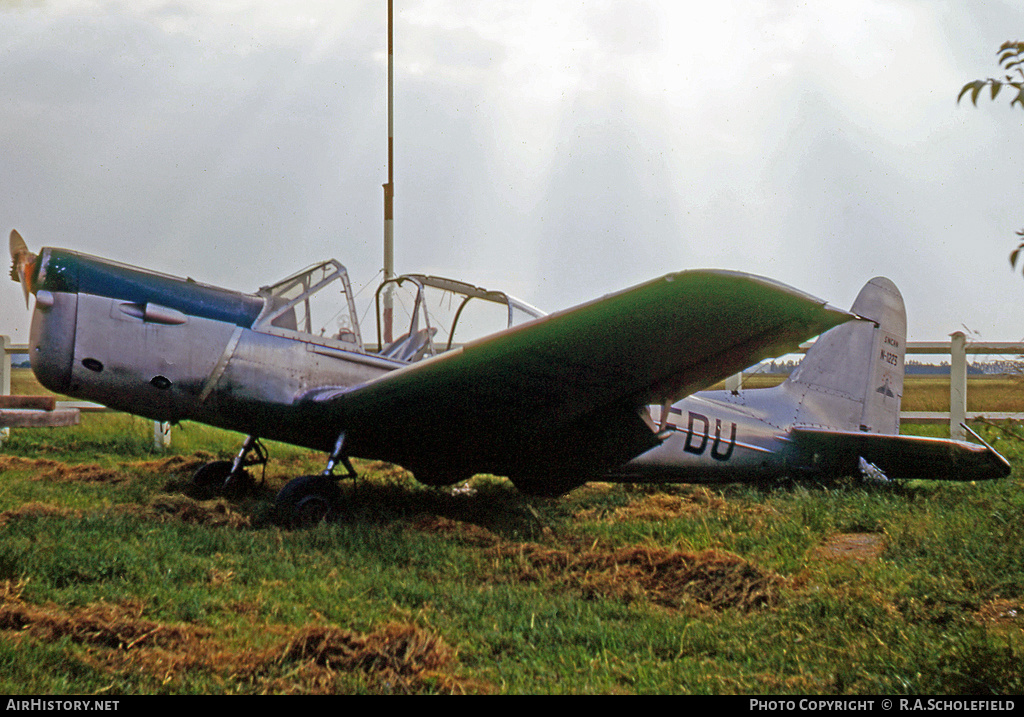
x: 837, y: 414
x: 550, y: 401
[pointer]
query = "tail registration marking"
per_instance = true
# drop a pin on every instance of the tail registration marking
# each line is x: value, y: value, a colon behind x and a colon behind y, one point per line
x: 717, y: 451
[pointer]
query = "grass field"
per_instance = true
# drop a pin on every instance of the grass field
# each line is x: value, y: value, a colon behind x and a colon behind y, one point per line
x: 114, y: 580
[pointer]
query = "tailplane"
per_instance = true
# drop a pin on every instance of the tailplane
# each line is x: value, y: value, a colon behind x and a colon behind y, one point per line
x: 852, y: 377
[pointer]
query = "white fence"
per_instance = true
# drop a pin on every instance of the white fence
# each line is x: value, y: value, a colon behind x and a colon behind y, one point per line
x: 161, y: 431
x: 956, y: 348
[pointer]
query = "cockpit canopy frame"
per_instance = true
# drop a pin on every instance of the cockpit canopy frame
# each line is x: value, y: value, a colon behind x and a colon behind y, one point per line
x: 288, y: 308
x: 423, y: 328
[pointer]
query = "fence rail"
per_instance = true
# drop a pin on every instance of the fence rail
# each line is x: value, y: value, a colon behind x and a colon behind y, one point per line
x: 161, y: 431
x: 956, y: 348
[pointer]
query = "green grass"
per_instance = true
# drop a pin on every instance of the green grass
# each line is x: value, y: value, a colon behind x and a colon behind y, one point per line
x: 114, y: 581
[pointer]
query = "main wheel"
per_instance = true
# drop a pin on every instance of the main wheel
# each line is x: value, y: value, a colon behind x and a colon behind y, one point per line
x: 215, y: 478
x: 208, y: 480
x: 307, y: 500
x: 239, y: 484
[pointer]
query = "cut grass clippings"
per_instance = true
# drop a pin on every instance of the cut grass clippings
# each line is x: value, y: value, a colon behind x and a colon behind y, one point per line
x: 121, y: 641
x: 114, y: 579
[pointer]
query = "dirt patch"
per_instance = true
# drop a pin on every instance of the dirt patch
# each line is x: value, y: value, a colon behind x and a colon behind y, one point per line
x: 1002, y: 612
x: 853, y: 546
x: 181, y: 508
x: 668, y: 506
x: 403, y: 657
x: 218, y: 512
x: 17, y: 463
x: 668, y: 578
x: 35, y: 510
x: 174, y: 464
x: 118, y: 626
x: 466, y: 533
x: 56, y: 471
x: 396, y: 658
x: 662, y: 506
x: 82, y: 473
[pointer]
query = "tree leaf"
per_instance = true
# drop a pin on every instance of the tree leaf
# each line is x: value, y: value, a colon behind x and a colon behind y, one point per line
x: 996, y: 86
x: 973, y: 87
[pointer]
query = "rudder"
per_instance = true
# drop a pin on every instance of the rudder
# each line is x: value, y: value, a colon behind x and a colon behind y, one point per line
x: 852, y: 377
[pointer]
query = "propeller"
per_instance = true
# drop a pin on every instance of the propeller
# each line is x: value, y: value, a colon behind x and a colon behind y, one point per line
x: 22, y: 261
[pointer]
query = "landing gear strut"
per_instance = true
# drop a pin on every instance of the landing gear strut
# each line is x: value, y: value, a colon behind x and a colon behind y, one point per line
x: 230, y: 478
x: 308, y: 500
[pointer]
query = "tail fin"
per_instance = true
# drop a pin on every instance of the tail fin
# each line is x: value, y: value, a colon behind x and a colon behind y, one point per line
x: 852, y: 377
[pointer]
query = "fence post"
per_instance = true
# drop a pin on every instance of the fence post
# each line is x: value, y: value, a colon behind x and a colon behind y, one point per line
x: 5, y: 366
x: 5, y: 379
x: 957, y: 385
x: 161, y: 435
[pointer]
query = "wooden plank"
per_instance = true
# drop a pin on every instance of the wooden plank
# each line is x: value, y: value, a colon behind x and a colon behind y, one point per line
x: 31, y: 418
x: 43, y: 403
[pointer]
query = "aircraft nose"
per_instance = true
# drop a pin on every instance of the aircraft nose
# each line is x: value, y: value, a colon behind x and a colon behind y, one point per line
x: 52, y: 339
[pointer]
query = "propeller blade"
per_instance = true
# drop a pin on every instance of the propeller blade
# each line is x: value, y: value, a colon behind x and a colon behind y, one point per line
x: 21, y: 263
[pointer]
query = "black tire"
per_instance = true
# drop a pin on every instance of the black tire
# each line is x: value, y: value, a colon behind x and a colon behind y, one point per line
x: 208, y: 480
x: 238, y: 485
x: 215, y: 478
x: 307, y: 501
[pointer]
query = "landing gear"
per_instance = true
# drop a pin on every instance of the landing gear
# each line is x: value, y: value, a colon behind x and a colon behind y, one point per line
x: 309, y: 500
x: 230, y: 478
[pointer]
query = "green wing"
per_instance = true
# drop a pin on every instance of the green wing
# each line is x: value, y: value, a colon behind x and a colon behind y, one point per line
x: 567, y: 391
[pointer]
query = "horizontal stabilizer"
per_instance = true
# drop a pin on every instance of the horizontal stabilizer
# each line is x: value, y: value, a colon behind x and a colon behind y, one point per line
x: 903, y: 457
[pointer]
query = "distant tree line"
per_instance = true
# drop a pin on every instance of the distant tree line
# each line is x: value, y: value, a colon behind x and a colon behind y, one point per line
x: 912, y: 368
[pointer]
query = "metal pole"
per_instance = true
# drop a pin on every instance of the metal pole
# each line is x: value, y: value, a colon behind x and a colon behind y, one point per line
x: 389, y: 191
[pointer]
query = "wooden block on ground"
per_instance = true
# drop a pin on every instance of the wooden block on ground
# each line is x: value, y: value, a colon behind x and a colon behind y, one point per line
x: 43, y: 403
x: 33, y: 418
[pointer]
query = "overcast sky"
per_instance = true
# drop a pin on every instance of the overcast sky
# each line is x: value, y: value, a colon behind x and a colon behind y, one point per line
x: 559, y: 150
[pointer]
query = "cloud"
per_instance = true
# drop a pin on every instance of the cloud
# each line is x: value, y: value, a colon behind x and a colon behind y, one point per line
x: 557, y: 150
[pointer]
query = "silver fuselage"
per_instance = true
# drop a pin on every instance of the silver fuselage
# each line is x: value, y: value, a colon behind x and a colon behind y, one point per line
x: 194, y: 356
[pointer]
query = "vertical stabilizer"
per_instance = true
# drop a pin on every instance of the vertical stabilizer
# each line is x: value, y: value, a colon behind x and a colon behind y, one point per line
x: 852, y: 377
